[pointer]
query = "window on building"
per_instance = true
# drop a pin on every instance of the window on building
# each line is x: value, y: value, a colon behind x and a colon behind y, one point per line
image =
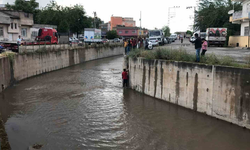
x: 134, y: 31
x: 126, y: 32
x: 15, y: 26
x: 27, y: 15
x: 11, y: 25
x: 1, y: 31
x: 34, y: 34
x: 24, y: 32
x: 246, y: 31
x: 120, y: 32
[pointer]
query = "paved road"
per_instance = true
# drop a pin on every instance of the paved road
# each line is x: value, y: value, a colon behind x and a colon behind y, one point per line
x: 238, y: 53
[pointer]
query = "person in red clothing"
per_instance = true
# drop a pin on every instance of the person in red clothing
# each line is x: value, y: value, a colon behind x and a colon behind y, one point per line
x: 125, y: 78
x: 134, y: 43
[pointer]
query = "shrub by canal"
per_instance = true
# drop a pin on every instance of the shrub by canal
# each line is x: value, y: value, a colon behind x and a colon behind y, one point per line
x: 183, y: 55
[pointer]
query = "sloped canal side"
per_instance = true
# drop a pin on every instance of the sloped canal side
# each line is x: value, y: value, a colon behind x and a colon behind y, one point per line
x: 84, y: 107
x: 4, y: 143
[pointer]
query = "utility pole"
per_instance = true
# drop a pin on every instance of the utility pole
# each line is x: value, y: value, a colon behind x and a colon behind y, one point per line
x: 94, y: 19
x: 140, y: 19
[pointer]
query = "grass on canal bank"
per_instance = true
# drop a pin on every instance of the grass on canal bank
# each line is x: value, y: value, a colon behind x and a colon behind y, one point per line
x: 183, y: 55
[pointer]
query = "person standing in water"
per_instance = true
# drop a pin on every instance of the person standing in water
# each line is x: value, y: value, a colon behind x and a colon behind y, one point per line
x: 125, y: 78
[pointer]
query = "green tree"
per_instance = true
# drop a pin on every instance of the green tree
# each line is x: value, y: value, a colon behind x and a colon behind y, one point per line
x: 98, y: 21
x: 189, y: 32
x: 72, y: 18
x: 214, y: 13
x: 166, y: 31
x: 63, y: 26
x: 112, y: 34
x: 76, y: 17
x: 23, y: 5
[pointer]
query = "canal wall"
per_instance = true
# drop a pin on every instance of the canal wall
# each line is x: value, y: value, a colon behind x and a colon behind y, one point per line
x: 218, y: 91
x: 28, y: 64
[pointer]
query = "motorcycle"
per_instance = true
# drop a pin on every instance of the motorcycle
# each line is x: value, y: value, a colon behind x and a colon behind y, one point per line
x: 150, y: 45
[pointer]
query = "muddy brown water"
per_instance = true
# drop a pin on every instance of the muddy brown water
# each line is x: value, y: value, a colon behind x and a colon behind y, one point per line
x: 85, y: 107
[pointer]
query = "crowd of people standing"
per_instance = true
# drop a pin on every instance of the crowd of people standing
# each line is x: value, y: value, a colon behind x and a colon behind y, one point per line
x: 134, y: 43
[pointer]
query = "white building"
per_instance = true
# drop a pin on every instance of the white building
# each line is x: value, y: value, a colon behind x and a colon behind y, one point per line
x: 15, y: 23
x: 242, y: 18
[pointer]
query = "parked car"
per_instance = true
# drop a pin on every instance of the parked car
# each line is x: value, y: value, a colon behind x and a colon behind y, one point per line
x: 174, y: 36
x: 81, y: 38
x: 171, y: 39
x: 192, y: 39
x: 74, y: 40
x: 154, y: 41
x: 117, y: 40
x: 105, y: 40
x: 167, y: 40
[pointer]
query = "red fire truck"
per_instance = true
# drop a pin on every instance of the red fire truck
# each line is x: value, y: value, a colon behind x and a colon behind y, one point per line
x: 45, y: 36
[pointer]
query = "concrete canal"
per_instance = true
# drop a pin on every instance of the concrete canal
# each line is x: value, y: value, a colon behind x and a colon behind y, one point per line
x: 85, y: 107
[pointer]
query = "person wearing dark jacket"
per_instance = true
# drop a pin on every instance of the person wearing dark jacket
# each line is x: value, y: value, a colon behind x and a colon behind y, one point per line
x: 129, y: 45
x: 198, y: 45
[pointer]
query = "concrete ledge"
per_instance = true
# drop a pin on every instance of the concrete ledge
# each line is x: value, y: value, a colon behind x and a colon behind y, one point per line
x: 218, y: 91
x: 26, y: 65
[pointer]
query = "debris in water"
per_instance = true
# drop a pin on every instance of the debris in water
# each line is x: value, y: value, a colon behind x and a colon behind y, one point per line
x: 35, y: 147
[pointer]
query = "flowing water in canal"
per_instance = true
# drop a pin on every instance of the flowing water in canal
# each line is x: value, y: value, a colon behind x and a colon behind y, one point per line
x: 84, y: 107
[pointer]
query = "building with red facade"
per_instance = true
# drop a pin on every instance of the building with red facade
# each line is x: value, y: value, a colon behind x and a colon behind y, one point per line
x: 127, y: 32
x: 127, y: 22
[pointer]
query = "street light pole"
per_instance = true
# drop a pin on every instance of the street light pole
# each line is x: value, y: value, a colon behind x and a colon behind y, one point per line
x: 140, y: 19
x: 194, y: 20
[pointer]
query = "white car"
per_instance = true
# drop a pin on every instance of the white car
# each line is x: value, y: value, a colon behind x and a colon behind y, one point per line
x: 173, y: 36
x: 154, y: 41
x: 192, y: 39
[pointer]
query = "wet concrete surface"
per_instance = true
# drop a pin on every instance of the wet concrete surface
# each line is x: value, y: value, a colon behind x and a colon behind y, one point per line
x: 85, y: 107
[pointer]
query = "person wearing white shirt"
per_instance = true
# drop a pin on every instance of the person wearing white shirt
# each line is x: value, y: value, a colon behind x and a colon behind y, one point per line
x: 19, y: 40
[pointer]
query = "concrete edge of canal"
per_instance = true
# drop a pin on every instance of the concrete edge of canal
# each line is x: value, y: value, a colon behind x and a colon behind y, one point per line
x: 4, y: 143
x: 23, y: 66
x: 218, y: 91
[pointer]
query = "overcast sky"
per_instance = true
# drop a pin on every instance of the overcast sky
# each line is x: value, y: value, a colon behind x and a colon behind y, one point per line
x: 154, y: 12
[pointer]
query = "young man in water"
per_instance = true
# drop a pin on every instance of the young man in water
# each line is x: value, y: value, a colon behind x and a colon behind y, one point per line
x: 125, y: 78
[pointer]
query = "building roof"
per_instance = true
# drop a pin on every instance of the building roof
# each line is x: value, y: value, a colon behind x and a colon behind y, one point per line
x: 44, y: 26
x: 128, y: 28
x: 4, y: 19
x: 12, y: 16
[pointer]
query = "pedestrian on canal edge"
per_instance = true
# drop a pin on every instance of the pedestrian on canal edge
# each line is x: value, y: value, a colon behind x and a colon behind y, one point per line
x: 198, y: 45
x: 125, y: 46
x: 129, y: 45
x: 125, y: 78
x: 204, y: 47
x: 134, y: 43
